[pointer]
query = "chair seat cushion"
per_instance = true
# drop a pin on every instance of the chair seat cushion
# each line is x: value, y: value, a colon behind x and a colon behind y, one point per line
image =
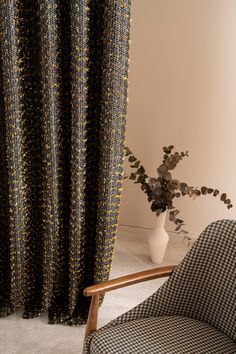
x: 165, y: 335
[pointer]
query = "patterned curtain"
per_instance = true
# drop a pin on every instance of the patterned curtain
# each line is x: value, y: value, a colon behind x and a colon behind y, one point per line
x: 63, y: 77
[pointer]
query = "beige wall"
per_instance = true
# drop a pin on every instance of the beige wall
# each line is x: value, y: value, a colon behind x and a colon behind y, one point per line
x: 182, y: 91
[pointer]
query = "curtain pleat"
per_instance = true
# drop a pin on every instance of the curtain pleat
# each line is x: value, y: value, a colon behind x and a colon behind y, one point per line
x: 15, y: 154
x: 113, y: 90
x: 79, y: 101
x: 63, y: 87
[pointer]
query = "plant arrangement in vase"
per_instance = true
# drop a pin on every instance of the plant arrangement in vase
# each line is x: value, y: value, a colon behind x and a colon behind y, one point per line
x: 163, y: 189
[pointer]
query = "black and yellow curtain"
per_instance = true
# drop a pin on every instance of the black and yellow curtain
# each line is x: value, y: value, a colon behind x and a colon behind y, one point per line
x: 63, y: 85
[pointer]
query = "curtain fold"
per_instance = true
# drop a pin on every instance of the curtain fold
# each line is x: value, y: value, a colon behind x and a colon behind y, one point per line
x: 63, y: 88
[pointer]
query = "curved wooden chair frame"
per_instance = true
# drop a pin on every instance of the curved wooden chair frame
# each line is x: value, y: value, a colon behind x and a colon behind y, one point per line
x: 96, y: 290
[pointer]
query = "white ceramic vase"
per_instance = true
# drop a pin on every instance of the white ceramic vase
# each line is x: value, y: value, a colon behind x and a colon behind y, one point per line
x: 158, y: 239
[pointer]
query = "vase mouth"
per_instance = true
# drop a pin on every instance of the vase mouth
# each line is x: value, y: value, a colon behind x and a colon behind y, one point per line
x: 163, y: 212
x: 160, y: 220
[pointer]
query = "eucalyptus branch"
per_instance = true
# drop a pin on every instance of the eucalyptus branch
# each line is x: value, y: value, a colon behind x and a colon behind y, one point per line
x: 194, y: 192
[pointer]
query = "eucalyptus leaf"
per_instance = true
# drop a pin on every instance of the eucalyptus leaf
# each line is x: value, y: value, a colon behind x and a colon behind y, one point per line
x: 173, y: 186
x: 216, y: 192
x: 140, y: 170
x: 223, y: 197
x: 184, y: 188
x: 176, y: 212
x: 158, y: 212
x: 197, y: 192
x: 132, y: 176
x: 132, y: 158
x: 167, y: 176
x: 141, y: 179
x: 154, y: 206
x: 127, y: 151
x: 153, y: 183
x: 179, y: 221
x: 162, y: 169
x: 135, y: 165
x: 144, y: 186
x: 167, y: 150
x: 167, y: 163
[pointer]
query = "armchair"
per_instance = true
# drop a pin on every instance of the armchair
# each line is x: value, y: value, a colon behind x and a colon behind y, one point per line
x: 193, y: 312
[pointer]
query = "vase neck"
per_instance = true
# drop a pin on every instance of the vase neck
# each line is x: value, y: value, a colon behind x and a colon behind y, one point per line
x: 160, y: 222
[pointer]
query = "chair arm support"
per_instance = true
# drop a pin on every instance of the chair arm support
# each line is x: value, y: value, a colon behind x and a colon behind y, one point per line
x: 98, y: 289
x: 129, y: 280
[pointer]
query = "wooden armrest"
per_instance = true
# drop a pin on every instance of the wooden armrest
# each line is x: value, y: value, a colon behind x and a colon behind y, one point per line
x: 96, y: 290
x: 129, y: 280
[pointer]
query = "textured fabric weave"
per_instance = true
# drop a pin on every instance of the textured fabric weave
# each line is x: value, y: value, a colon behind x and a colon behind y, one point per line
x: 63, y: 85
x: 202, y: 287
x: 162, y: 335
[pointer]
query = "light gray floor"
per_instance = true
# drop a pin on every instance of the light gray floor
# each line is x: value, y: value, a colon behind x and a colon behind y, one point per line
x: 35, y: 336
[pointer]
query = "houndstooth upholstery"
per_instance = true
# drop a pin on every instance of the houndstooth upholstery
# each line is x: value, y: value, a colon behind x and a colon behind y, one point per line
x: 164, y: 334
x: 201, y: 288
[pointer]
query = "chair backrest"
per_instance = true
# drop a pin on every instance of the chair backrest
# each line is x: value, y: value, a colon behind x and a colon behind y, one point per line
x: 204, y: 284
